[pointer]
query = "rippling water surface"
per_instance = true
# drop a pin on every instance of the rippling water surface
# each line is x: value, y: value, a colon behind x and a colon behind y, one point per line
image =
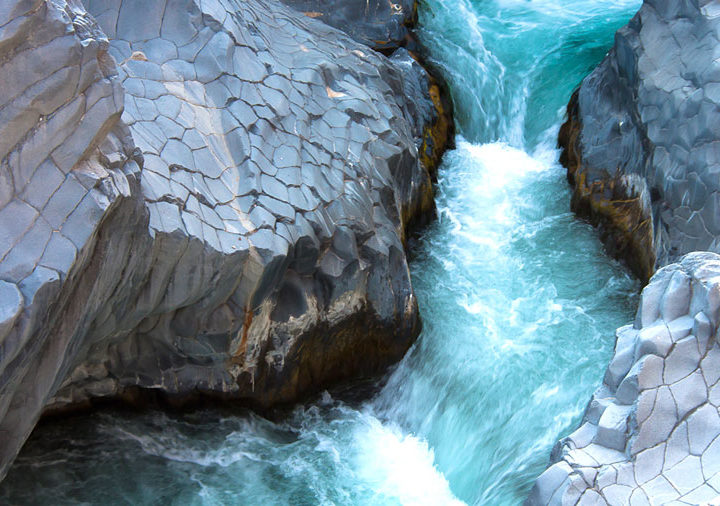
x: 519, y: 305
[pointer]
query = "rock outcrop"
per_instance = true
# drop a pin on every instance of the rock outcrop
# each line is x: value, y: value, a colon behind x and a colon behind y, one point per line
x: 651, y: 433
x: 200, y: 198
x: 386, y: 26
x: 640, y: 143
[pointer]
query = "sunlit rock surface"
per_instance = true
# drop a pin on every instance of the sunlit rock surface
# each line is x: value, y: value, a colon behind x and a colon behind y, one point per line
x: 651, y: 433
x: 221, y: 213
x: 641, y: 143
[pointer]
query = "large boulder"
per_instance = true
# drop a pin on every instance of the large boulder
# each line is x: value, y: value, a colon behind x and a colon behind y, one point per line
x: 221, y: 213
x: 640, y: 143
x: 651, y: 433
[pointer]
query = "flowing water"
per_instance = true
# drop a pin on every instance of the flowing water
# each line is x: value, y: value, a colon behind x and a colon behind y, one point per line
x: 519, y: 305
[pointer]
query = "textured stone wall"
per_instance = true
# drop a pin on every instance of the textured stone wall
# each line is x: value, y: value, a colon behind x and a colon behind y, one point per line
x: 200, y: 198
x: 641, y: 144
x: 68, y: 175
x: 651, y: 433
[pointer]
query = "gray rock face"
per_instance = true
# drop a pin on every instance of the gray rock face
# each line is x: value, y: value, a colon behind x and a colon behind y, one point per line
x: 642, y: 154
x: 380, y: 24
x: 221, y: 213
x: 641, y: 145
x: 651, y: 433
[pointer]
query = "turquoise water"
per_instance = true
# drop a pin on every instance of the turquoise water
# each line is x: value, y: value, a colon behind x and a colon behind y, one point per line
x: 519, y: 306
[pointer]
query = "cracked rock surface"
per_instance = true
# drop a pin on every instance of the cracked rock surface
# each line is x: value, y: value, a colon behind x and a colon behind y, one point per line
x: 641, y: 144
x: 199, y: 198
x: 651, y: 433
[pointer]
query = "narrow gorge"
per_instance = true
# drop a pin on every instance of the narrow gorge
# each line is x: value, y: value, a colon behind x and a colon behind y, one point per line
x: 326, y: 252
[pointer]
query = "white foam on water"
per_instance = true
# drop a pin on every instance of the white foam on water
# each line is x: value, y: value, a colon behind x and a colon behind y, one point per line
x: 485, y: 212
x: 174, y: 446
x: 400, y: 466
x: 501, y: 164
x: 171, y: 443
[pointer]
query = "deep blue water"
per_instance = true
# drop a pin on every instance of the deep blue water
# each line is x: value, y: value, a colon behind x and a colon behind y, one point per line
x: 519, y: 304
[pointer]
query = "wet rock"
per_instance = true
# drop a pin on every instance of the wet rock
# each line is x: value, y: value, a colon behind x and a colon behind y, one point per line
x: 655, y: 442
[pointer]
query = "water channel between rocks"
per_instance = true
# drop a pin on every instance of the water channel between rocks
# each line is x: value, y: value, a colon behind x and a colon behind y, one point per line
x: 519, y: 305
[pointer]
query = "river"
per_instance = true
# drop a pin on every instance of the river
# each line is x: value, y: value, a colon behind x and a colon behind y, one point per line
x: 519, y: 304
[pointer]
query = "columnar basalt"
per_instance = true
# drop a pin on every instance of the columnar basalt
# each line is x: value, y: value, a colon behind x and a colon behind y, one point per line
x: 639, y: 142
x: 387, y: 27
x: 200, y: 198
x: 651, y: 433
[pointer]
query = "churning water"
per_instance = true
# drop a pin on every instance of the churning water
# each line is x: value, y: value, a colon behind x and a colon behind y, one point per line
x: 518, y: 300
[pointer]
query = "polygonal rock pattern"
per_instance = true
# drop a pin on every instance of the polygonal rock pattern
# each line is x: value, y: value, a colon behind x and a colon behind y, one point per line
x: 238, y: 232
x: 641, y: 143
x: 651, y: 433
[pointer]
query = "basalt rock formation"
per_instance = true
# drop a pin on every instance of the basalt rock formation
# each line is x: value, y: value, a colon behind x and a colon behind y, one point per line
x: 386, y: 26
x: 651, y: 433
x: 201, y: 199
x: 640, y: 144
